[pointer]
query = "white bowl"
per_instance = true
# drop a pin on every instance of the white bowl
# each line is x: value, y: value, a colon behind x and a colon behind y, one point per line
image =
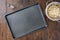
x: 47, y: 10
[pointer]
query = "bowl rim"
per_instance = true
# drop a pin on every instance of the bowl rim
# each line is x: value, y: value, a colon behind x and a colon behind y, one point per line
x: 47, y: 9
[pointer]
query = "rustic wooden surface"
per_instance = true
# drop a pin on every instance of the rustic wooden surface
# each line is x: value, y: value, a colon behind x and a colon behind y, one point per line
x: 52, y: 32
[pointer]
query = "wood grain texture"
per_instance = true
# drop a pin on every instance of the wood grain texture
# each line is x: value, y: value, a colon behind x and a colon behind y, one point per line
x: 52, y: 32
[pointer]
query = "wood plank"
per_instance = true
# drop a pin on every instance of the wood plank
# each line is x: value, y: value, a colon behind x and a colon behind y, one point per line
x: 16, y: 3
x: 1, y: 28
x: 2, y: 21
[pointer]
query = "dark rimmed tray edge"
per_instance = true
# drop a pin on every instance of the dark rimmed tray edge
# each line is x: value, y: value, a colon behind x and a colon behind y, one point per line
x: 18, y: 11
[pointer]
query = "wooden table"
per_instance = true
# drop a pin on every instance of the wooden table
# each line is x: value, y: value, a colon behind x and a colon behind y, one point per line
x: 52, y: 32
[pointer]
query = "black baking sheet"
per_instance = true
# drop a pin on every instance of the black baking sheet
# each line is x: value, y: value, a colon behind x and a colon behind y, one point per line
x: 26, y: 20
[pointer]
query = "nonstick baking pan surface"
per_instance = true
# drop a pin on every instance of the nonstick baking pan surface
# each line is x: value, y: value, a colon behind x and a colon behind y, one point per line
x: 26, y: 20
